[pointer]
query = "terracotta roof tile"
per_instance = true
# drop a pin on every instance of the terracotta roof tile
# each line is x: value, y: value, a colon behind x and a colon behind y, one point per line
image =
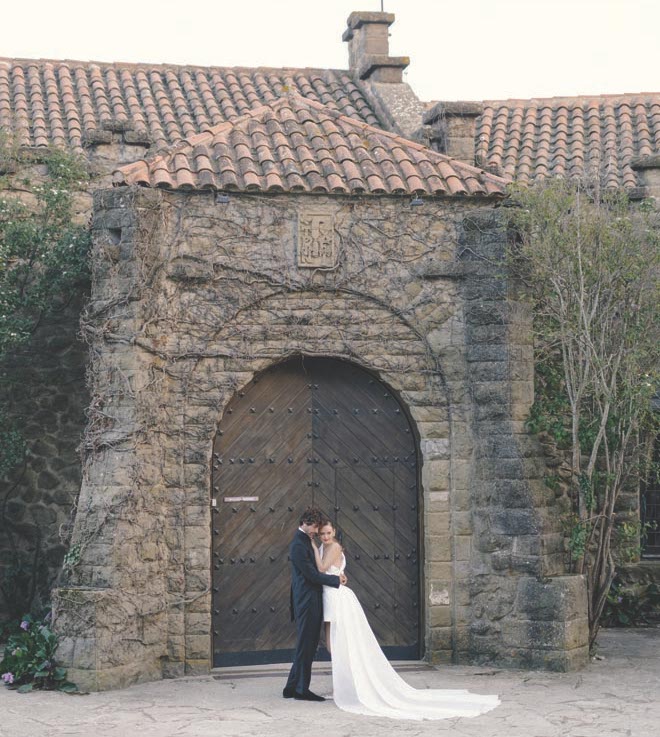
x: 62, y: 102
x: 572, y: 136
x: 296, y: 144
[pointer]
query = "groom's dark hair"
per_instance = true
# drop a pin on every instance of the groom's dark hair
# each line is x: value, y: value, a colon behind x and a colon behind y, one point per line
x: 312, y: 516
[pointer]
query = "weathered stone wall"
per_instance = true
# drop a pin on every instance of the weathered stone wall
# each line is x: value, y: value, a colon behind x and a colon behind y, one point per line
x: 190, y: 299
x: 43, y: 389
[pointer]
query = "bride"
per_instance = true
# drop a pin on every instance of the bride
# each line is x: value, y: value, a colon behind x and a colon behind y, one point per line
x: 363, y: 680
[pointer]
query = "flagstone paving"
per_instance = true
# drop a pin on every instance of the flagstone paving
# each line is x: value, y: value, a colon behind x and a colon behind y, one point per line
x: 616, y: 696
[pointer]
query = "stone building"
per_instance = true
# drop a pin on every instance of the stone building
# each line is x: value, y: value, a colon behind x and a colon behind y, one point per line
x: 299, y: 294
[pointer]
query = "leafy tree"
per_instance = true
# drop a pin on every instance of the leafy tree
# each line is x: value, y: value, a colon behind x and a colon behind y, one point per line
x: 590, y: 261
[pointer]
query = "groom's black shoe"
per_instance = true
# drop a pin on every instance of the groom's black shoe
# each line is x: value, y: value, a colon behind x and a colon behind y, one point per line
x: 308, y: 696
x: 288, y: 693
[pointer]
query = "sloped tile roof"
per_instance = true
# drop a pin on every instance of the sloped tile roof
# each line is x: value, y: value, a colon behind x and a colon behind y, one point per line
x: 68, y: 103
x: 297, y: 145
x: 597, y: 137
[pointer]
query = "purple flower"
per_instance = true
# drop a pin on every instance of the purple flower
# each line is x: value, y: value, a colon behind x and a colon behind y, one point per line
x: 8, y: 677
x: 25, y: 625
x: 619, y: 599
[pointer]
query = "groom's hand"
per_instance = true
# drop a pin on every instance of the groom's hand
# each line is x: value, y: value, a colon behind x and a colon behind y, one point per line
x: 342, y: 579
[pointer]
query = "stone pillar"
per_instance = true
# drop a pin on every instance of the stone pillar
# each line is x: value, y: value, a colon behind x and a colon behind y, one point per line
x: 111, y: 607
x: 522, y: 610
x: 368, y: 48
x: 648, y: 170
x: 116, y: 142
x: 451, y: 128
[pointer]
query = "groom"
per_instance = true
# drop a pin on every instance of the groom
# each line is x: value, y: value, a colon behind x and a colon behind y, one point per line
x: 306, y: 604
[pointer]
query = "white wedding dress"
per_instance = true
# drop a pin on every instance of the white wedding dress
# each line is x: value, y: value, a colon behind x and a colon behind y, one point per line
x: 363, y: 680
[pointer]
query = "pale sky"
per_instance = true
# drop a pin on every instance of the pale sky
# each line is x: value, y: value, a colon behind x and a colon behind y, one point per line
x: 469, y: 50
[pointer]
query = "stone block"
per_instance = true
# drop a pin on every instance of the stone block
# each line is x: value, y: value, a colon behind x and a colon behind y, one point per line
x: 437, y: 501
x: 199, y: 604
x: 440, y: 638
x: 478, y: 288
x: 197, y: 581
x: 201, y: 667
x: 562, y: 661
x: 198, y: 624
x: 195, y: 537
x: 558, y: 599
x: 514, y: 522
x: 174, y: 669
x: 176, y: 650
x: 483, y: 312
x: 488, y: 335
x: 463, y: 547
x: 197, y: 515
x: 461, y: 523
x: 489, y: 371
x: 439, y: 593
x: 429, y: 414
x: 545, y: 635
x: 522, y: 394
x: 123, y: 676
x: 435, y: 449
x: 154, y: 630
x: 439, y: 616
x: 460, y: 474
x: 492, y: 411
x: 435, y: 475
x: 438, y: 548
x: 65, y: 651
x: 85, y: 655
x: 526, y: 564
x: 437, y: 523
x: 461, y: 637
x: 488, y: 352
x: 441, y: 657
x: 196, y: 558
x: 433, y: 430
x: 461, y: 500
x: 439, y: 571
x: 198, y: 647
x: 509, y: 493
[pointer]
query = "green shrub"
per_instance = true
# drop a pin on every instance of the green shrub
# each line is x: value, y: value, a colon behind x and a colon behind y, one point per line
x: 630, y: 606
x: 29, y: 659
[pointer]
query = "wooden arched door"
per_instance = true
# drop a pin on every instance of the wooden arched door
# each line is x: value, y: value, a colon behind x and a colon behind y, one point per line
x: 323, y: 432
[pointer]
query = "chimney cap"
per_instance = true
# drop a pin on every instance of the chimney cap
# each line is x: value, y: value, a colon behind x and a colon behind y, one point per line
x: 447, y: 109
x: 360, y: 18
x: 373, y: 62
x: 646, y: 162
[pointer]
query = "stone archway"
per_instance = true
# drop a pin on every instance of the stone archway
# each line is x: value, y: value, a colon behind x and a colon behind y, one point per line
x: 313, y: 431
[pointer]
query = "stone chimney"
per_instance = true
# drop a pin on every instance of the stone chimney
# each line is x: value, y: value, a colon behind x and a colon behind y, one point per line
x: 648, y: 172
x: 368, y: 48
x: 451, y: 128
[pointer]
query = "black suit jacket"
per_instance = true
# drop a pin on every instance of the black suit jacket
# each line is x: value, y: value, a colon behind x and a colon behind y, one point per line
x: 306, y: 581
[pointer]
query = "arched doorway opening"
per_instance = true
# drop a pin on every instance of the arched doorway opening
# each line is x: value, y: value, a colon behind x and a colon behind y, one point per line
x: 313, y: 431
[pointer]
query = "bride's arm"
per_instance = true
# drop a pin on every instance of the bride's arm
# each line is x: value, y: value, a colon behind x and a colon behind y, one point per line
x: 317, y: 556
x: 331, y: 558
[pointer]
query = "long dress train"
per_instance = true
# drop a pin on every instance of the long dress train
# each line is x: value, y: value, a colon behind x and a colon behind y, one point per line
x: 363, y: 680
